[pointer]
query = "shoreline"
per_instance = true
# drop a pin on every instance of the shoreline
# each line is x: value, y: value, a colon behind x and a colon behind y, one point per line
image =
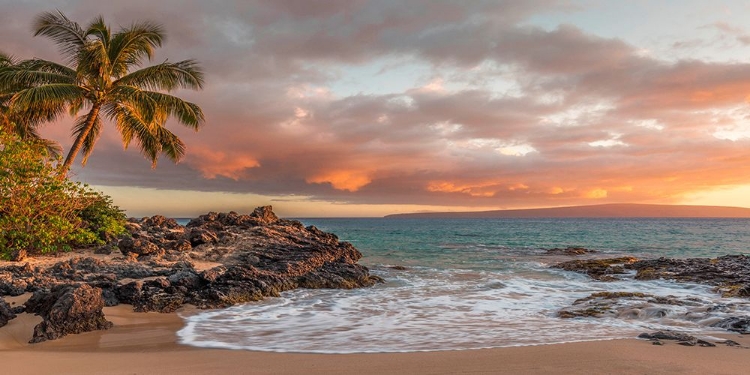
x: 146, y: 343
x: 193, y: 267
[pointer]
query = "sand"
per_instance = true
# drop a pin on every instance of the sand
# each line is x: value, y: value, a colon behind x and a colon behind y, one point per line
x: 146, y: 343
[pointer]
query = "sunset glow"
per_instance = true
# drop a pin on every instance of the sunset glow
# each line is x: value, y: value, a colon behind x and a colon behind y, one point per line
x: 364, y: 108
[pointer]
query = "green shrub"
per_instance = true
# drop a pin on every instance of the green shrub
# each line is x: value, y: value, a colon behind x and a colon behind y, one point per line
x: 102, y: 217
x: 41, y: 211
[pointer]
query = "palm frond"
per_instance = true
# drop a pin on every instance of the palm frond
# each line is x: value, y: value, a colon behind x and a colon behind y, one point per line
x: 171, y: 145
x: 67, y: 34
x: 127, y: 121
x: 53, y: 148
x: 36, y: 115
x: 129, y: 46
x: 152, y: 138
x: 45, y: 97
x: 29, y: 117
x: 133, y: 127
x: 187, y: 113
x: 136, y: 100
x: 93, y: 63
x: 14, y: 78
x: 30, y: 133
x: 166, y: 76
x: 100, y: 30
x: 47, y: 66
x: 6, y: 60
x: 76, y: 106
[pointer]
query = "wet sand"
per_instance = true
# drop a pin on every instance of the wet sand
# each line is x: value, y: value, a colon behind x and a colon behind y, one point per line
x: 146, y: 343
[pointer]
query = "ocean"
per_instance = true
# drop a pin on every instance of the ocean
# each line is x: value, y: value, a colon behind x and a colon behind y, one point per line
x: 456, y: 284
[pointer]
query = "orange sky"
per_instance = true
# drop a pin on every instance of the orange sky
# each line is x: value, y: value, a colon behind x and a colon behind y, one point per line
x: 363, y: 108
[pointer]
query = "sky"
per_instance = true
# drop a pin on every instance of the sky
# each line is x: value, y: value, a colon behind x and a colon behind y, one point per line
x: 366, y: 108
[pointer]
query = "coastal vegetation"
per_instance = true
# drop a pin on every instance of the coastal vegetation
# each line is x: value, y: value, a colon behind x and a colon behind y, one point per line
x: 42, y: 213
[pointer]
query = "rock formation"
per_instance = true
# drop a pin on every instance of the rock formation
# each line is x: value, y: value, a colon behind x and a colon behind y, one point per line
x: 622, y: 304
x: 6, y: 313
x: 734, y: 324
x: 598, y: 269
x: 217, y: 260
x: 67, y: 309
x: 730, y: 273
x: 570, y: 250
x: 681, y: 338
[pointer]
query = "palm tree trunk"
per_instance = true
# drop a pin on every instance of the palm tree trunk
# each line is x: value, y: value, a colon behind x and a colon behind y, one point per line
x: 90, y: 120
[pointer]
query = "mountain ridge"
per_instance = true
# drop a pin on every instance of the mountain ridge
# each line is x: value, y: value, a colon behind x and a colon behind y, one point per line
x: 611, y: 210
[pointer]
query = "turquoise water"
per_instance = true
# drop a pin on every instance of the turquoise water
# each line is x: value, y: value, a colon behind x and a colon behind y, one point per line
x: 477, y: 243
x: 476, y: 283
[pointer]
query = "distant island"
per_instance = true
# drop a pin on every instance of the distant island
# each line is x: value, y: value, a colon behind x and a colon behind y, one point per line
x: 618, y: 210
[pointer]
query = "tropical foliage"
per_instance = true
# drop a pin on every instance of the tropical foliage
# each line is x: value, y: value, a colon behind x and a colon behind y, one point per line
x: 24, y: 124
x: 42, y: 213
x: 102, y: 78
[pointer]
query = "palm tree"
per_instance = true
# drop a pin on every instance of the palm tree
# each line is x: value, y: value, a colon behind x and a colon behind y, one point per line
x: 23, y: 124
x: 98, y: 75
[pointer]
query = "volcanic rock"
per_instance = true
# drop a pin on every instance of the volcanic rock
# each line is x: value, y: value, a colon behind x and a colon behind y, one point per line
x: 598, y: 269
x: 6, y: 313
x: 739, y: 324
x: 199, y: 236
x: 622, y: 304
x: 10, y: 285
x: 67, y: 309
x: 681, y: 338
x: 137, y: 246
x: 570, y: 250
x: 730, y: 273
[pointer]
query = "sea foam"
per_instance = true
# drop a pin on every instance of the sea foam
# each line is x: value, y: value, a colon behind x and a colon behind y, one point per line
x: 427, y: 309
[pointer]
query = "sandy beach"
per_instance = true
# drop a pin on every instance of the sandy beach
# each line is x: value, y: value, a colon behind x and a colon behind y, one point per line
x: 146, y: 343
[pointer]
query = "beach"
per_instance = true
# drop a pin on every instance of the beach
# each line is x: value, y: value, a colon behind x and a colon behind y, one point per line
x: 146, y: 343
x: 508, y: 300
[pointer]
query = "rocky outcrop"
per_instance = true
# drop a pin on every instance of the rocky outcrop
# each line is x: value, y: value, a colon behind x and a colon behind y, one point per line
x: 217, y: 260
x: 624, y: 305
x: 735, y: 324
x: 67, y: 309
x: 598, y: 269
x: 257, y: 255
x: 6, y: 313
x: 681, y: 338
x: 730, y: 274
x: 570, y: 251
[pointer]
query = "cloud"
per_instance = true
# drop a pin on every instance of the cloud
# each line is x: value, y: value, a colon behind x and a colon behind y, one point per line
x: 508, y: 114
x: 217, y: 163
x: 738, y: 33
x: 349, y: 180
